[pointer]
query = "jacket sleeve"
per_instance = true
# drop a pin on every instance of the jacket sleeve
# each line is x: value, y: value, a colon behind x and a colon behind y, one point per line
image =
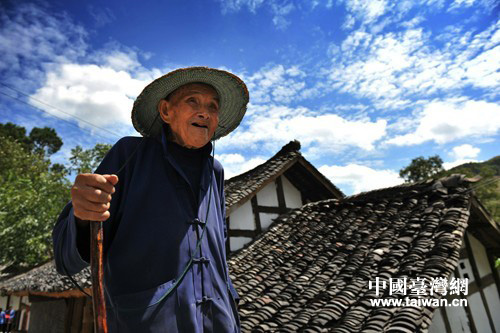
x: 233, y: 291
x: 71, y: 242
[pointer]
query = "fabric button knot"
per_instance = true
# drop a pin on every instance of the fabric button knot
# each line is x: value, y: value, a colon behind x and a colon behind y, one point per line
x: 204, y: 300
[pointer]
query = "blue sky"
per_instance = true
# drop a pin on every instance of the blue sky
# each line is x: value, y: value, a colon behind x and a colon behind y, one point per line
x: 365, y: 86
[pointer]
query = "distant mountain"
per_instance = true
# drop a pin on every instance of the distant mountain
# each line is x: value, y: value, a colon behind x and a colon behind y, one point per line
x: 488, y: 188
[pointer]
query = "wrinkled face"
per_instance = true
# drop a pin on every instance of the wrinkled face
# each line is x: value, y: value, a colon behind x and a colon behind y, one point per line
x: 192, y: 112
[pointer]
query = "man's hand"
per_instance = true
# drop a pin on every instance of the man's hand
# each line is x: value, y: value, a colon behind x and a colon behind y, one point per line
x: 91, y: 196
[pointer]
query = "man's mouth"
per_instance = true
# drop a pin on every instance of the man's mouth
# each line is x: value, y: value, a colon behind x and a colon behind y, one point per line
x: 199, y: 125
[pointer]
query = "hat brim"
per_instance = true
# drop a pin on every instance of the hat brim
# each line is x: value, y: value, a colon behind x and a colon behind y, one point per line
x: 232, y: 91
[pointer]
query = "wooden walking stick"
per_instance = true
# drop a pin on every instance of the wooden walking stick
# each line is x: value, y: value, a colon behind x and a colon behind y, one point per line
x: 97, y: 272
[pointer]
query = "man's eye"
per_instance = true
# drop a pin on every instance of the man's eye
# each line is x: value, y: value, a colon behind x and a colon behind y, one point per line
x: 192, y: 100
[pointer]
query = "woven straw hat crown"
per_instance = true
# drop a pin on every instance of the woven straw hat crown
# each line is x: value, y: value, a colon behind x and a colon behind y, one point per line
x: 232, y: 91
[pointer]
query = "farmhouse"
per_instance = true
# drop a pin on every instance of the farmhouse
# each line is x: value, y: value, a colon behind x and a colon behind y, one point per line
x: 308, y: 258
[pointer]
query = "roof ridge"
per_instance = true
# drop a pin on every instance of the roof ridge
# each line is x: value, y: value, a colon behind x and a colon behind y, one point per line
x: 454, y: 180
x: 291, y: 147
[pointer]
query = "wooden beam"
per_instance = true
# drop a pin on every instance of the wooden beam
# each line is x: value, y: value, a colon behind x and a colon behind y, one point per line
x: 472, y: 325
x: 228, y: 246
x: 255, y: 212
x: 445, y: 319
x: 243, y: 233
x: 269, y: 210
x: 46, y: 295
x: 281, y: 195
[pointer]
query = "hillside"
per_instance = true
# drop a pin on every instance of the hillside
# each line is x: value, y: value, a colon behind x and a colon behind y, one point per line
x: 488, y: 188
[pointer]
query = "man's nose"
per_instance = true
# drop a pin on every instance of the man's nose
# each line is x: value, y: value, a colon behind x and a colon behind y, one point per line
x: 203, y: 112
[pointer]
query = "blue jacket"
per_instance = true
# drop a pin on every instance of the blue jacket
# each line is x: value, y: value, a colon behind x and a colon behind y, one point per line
x: 148, y: 241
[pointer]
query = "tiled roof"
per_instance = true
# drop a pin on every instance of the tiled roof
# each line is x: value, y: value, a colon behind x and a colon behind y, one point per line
x: 45, y: 279
x: 311, y: 270
x: 241, y: 187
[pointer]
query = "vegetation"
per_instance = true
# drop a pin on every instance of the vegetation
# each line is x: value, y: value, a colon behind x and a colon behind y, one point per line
x: 85, y: 161
x: 422, y: 168
x: 487, y: 189
x: 33, y: 192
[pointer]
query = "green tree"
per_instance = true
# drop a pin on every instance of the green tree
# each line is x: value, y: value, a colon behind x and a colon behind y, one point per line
x: 16, y: 132
x: 41, y: 140
x: 45, y: 139
x: 86, y: 161
x: 31, y: 197
x: 422, y: 168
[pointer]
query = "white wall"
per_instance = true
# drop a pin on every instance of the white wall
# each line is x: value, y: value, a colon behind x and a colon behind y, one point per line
x: 242, y: 218
x: 491, y: 294
x: 293, y: 199
x: 267, y: 196
x: 458, y: 319
x: 236, y: 243
x: 480, y: 256
x: 478, y: 313
x: 266, y: 219
x: 437, y: 325
x: 3, y: 302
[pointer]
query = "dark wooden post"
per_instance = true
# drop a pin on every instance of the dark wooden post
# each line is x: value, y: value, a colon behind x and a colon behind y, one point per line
x: 96, y: 266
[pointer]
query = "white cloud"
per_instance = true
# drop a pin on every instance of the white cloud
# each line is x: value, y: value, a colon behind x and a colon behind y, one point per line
x: 449, y: 165
x: 349, y: 22
x: 462, y: 154
x: 276, y: 84
x: 355, y: 178
x: 272, y: 126
x: 42, y: 57
x: 489, y: 5
x: 279, y: 9
x: 236, y: 5
x: 391, y: 69
x: 280, y: 12
x: 449, y: 120
x: 100, y: 95
x: 235, y: 164
x: 101, y: 15
x: 367, y: 10
x: 464, y: 151
x: 31, y: 38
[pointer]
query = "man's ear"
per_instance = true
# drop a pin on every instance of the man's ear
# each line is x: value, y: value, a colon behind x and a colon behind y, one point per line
x: 163, y: 107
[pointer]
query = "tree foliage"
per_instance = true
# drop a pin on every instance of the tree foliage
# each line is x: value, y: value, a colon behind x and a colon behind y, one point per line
x: 422, y: 168
x: 39, y: 140
x: 33, y: 191
x: 31, y: 196
x: 86, y: 161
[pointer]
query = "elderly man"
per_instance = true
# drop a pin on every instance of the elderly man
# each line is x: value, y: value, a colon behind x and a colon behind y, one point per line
x: 162, y: 197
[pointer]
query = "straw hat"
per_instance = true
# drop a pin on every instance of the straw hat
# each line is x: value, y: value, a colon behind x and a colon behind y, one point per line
x: 232, y: 91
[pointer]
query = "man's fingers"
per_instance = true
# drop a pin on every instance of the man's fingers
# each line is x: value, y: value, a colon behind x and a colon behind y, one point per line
x: 93, y: 194
x: 113, y: 179
x: 94, y: 206
x: 91, y: 216
x: 100, y: 182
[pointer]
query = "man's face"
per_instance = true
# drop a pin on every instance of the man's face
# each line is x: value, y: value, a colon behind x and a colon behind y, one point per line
x: 192, y: 112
